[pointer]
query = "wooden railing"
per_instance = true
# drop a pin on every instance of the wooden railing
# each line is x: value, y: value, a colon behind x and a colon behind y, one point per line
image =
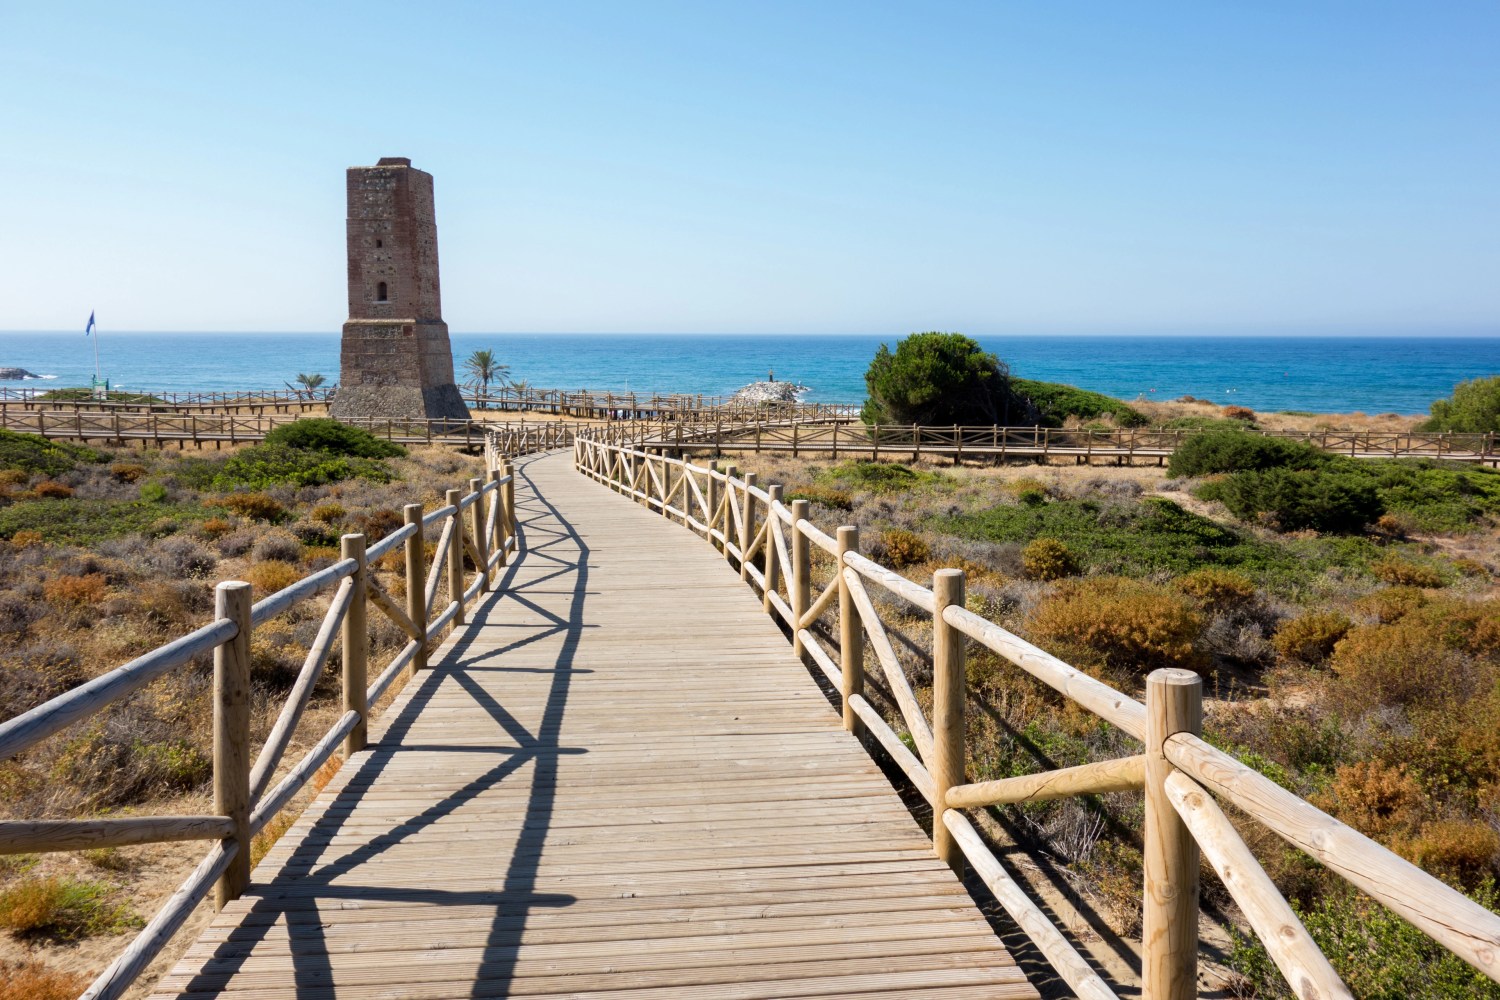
x: 218, y: 429
x: 1179, y: 774
x: 844, y: 438
x: 479, y: 523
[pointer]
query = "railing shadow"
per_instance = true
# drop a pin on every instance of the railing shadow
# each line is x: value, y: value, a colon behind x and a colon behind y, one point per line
x: 311, y: 881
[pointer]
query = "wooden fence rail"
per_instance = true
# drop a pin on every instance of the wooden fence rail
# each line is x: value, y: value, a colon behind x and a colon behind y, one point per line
x: 835, y: 439
x: 479, y: 522
x: 1178, y: 773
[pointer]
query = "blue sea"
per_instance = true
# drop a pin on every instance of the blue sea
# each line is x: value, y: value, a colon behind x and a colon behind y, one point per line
x: 1320, y: 374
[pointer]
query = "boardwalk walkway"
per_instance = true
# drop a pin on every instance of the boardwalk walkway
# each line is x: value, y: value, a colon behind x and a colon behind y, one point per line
x: 617, y: 781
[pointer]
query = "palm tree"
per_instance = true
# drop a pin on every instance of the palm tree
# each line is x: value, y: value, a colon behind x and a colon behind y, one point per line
x: 483, y: 368
x: 309, y: 385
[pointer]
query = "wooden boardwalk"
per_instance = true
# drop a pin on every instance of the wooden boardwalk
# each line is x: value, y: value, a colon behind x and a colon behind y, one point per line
x: 616, y: 781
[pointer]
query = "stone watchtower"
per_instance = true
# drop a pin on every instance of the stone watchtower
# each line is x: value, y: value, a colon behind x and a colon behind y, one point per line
x: 396, y: 360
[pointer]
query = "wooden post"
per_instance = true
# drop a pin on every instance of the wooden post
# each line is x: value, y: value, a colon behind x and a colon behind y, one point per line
x: 730, y: 472
x: 232, y: 735
x: 498, y: 500
x: 774, y: 490
x: 476, y: 531
x: 800, y: 577
x: 747, y: 525
x: 453, y: 498
x: 851, y: 633
x: 712, y: 518
x: 508, y: 470
x: 356, y: 646
x: 1169, y: 921
x: 948, y: 692
x: 416, y: 582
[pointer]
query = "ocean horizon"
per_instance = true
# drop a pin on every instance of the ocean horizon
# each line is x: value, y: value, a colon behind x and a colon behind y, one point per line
x: 1330, y: 373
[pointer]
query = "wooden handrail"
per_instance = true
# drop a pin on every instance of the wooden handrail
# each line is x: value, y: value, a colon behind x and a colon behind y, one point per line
x: 1177, y: 776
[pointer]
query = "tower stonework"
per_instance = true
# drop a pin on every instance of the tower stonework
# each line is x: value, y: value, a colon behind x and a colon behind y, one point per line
x: 396, y: 361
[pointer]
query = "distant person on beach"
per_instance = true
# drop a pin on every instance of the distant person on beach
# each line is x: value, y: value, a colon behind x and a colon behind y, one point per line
x: 771, y: 375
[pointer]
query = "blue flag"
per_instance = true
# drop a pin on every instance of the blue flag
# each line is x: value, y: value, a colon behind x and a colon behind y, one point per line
x: 89, y: 329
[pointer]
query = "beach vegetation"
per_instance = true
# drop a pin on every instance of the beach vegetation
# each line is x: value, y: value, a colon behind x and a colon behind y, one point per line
x: 62, y: 908
x: 1474, y: 408
x: 1126, y: 625
x: 33, y: 980
x: 936, y: 378
x: 332, y: 437
x: 483, y: 367
x: 1048, y: 559
x: 35, y: 455
x: 84, y: 394
x: 1052, y: 404
x: 79, y: 520
x: 1228, y: 450
x: 1290, y: 499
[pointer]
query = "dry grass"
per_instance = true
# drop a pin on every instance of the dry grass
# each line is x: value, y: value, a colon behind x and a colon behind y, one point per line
x: 35, y: 981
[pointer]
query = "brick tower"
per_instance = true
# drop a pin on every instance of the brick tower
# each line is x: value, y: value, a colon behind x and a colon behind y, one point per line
x: 396, y: 360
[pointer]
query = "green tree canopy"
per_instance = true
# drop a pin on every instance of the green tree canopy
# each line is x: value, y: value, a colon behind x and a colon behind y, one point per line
x: 1474, y: 408
x: 936, y: 378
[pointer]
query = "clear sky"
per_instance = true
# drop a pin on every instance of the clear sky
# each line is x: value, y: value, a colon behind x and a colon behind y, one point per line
x: 818, y: 166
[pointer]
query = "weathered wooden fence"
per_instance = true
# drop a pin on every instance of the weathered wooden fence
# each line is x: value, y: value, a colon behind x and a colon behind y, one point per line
x: 478, y: 523
x: 1179, y: 774
x: 838, y: 439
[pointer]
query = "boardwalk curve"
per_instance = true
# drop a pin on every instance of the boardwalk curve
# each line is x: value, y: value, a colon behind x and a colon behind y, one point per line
x: 616, y: 781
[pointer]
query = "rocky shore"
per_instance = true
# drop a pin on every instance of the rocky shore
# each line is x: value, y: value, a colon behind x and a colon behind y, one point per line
x: 760, y: 393
x: 16, y: 373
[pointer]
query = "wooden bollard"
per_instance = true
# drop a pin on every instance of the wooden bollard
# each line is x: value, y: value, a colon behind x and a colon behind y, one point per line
x: 773, y: 567
x: 727, y: 522
x: 497, y: 514
x: 453, y: 498
x: 714, y: 492
x: 800, y: 578
x: 232, y: 735
x: 476, y: 532
x: 356, y: 646
x: 508, y: 471
x: 851, y: 634
x: 416, y: 582
x: 948, y: 693
x: 1169, y: 918
x: 747, y: 525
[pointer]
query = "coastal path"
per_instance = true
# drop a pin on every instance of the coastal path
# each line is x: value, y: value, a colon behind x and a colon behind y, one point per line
x: 615, y: 777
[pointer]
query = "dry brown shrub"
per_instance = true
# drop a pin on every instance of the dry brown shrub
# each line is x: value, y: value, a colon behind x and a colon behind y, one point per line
x: 256, y: 506
x: 1127, y: 624
x: 1238, y: 413
x: 1394, y: 525
x: 1217, y: 589
x: 1391, y: 603
x: 1310, y: 637
x: 86, y: 589
x: 329, y: 511
x: 51, y: 490
x: 1470, y: 567
x: 272, y: 575
x: 904, y: 548
x: 1117, y: 873
x: 1404, y: 573
x: 215, y: 527
x: 1404, y: 663
x: 1048, y: 559
x: 13, y: 477
x: 128, y: 472
x: 34, y: 981
x: 26, y: 539
x: 1377, y: 799
x: 1467, y: 851
x: 375, y: 524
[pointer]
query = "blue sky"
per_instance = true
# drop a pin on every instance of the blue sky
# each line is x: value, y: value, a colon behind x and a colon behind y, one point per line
x: 816, y: 166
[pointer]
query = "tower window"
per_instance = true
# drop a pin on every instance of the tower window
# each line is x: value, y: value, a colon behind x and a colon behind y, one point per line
x: 380, y: 295
x: 378, y: 244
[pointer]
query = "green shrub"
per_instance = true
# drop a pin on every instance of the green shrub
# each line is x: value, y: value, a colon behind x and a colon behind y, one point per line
x: 1297, y: 499
x: 82, y: 521
x: 879, y: 477
x: 273, y: 464
x: 86, y: 395
x: 1053, y: 402
x: 334, y: 438
x: 825, y: 495
x: 1236, y: 451
x: 936, y: 378
x: 153, y: 492
x: 1474, y: 408
x: 36, y: 455
x: 59, y: 907
x: 1048, y: 559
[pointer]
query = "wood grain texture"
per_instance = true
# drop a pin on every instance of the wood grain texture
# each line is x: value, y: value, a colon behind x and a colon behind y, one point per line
x: 586, y: 796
